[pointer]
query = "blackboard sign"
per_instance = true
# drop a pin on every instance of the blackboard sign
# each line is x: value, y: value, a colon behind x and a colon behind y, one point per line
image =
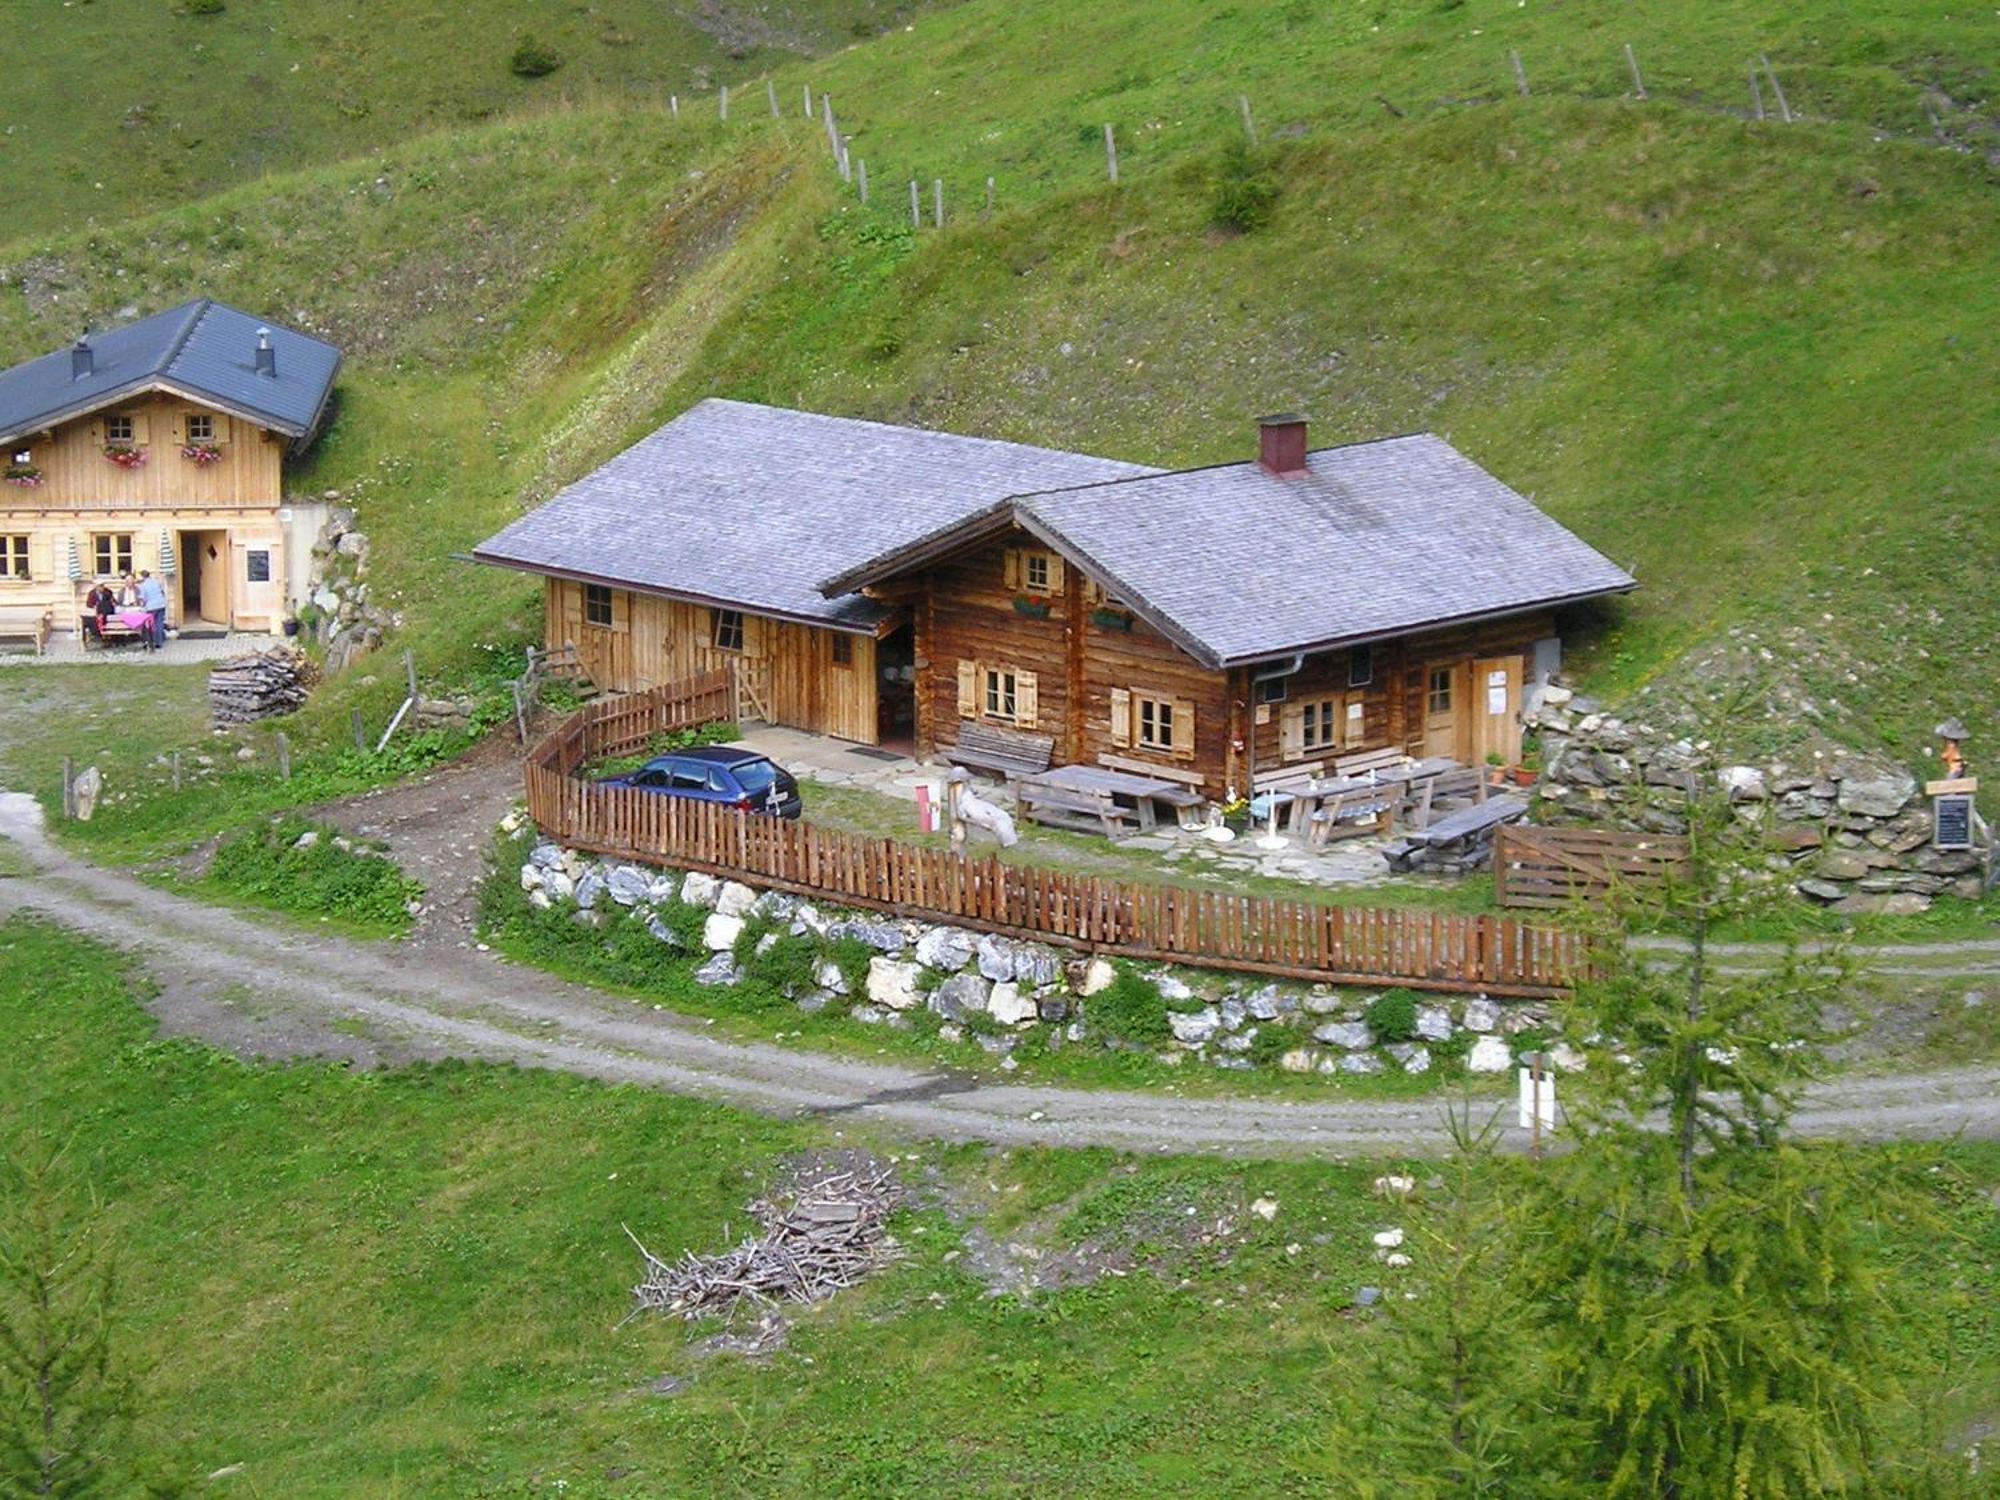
x: 1953, y: 828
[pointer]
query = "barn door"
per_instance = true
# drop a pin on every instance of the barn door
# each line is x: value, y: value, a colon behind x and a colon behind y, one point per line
x: 1447, y: 717
x: 1496, y: 708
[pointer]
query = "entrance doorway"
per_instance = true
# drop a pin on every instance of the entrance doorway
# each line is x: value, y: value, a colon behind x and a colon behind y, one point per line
x: 204, y: 591
x: 1472, y: 709
x: 896, y: 690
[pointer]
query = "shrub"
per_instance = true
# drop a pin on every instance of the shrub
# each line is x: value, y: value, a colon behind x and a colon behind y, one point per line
x: 266, y: 866
x: 850, y: 955
x: 1393, y: 1016
x: 1244, y: 191
x: 1271, y: 1042
x: 786, y: 967
x: 1129, y: 1009
x: 533, y: 58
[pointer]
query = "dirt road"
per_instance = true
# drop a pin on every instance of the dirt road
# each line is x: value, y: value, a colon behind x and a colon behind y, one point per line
x: 265, y: 990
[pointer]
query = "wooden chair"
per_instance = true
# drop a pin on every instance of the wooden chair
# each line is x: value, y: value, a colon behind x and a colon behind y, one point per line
x: 1010, y: 753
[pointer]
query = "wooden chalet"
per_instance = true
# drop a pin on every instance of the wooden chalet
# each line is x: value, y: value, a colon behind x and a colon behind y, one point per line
x: 882, y: 584
x: 160, y: 445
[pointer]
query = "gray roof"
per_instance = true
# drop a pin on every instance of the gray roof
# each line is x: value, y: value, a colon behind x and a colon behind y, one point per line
x: 751, y: 506
x: 1377, y: 539
x: 203, y: 348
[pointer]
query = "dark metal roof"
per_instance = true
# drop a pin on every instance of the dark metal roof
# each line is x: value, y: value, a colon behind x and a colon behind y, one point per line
x: 203, y: 348
x: 1237, y: 565
x: 749, y: 507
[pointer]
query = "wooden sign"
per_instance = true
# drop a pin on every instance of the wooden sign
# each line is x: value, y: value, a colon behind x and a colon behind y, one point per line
x: 1952, y: 828
x: 1945, y: 788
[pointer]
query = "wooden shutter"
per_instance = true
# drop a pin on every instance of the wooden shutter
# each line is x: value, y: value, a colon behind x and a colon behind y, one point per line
x: 177, y: 433
x: 1025, y: 705
x: 968, y: 689
x: 222, y: 428
x: 1010, y: 570
x: 1055, y: 574
x: 142, y: 428
x: 1121, y: 716
x: 1093, y: 593
x: 1183, y: 729
x: 1292, y: 732
x: 97, y: 432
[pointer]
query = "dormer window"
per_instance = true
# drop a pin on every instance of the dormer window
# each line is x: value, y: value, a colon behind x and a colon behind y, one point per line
x: 200, y: 427
x: 118, y: 429
x: 24, y: 456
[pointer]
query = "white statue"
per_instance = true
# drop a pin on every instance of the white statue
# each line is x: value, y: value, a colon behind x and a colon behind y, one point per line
x: 968, y: 807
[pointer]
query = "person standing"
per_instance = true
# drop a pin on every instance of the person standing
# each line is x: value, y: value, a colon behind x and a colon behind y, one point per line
x: 153, y: 600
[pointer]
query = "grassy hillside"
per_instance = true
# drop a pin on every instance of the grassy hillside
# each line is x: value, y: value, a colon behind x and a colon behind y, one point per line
x: 116, y: 107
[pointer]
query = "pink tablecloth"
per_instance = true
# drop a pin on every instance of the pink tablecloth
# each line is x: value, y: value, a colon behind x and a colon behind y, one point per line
x: 134, y: 619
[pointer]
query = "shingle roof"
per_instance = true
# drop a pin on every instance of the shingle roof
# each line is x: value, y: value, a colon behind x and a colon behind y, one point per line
x: 1379, y: 538
x: 203, y: 347
x: 751, y: 506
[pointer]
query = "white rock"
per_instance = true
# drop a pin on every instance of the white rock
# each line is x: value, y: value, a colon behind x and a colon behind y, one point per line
x: 700, y: 890
x: 1352, y: 1035
x: 1195, y: 1026
x: 1098, y: 976
x: 811, y: 918
x: 1394, y: 1185
x: 1481, y: 1014
x: 735, y: 899
x: 765, y: 943
x: 307, y: 839
x: 1490, y: 1054
x: 628, y: 885
x: 663, y: 888
x: 1298, y: 1060
x: 719, y: 933
x: 1396, y: 1259
x: 996, y: 958
x: 539, y: 899
x: 1361, y: 1062
x: 827, y: 976
x: 531, y: 878
x: 1009, y: 1006
x: 1265, y: 1209
x: 1434, y: 1023
x: 893, y: 983
x: 559, y: 884
x: 1172, y: 986
x: 1389, y: 1239
x: 947, y: 949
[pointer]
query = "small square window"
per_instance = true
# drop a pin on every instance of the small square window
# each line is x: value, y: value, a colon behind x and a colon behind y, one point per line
x: 257, y: 565
x: 111, y: 553
x: 729, y: 630
x: 13, y: 557
x: 1035, y: 572
x: 117, y: 429
x: 596, y: 604
x: 1274, y: 689
x: 1320, y: 724
x: 24, y: 455
x: 200, y: 427
x: 1001, y: 694
x: 843, y: 650
x: 1440, y: 690
x: 1155, y: 722
x: 1360, y: 666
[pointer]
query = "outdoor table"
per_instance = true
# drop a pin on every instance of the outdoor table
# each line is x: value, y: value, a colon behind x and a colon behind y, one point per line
x: 1124, y: 788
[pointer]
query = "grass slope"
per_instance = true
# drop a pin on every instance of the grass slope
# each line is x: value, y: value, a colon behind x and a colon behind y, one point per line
x: 410, y: 1282
x: 115, y: 108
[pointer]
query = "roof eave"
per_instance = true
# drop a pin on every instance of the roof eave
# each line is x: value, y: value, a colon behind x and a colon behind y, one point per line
x: 707, y: 601
x: 1442, y: 622
x: 928, y: 548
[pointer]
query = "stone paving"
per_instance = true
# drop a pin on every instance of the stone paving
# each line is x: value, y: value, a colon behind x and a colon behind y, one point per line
x: 1192, y: 851
x: 67, y: 650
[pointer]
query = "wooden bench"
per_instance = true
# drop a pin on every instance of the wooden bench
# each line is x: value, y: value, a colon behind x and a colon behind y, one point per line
x: 1184, y: 802
x: 1360, y: 767
x: 1457, y: 843
x: 1278, y: 790
x: 27, y: 622
x: 115, y: 632
x: 1461, y: 785
x: 1353, y: 812
x: 1072, y: 807
x: 1009, y: 752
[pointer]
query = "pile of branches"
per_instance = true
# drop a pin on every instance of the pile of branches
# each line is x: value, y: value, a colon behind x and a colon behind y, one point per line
x: 828, y: 1237
x: 260, y: 685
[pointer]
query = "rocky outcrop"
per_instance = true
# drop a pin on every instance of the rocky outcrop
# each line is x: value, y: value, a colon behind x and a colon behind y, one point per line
x: 338, y: 612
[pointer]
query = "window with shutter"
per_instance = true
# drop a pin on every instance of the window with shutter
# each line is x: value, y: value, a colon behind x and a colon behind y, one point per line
x: 14, y: 557
x: 1025, y: 700
x: 1321, y: 725
x: 1010, y: 570
x: 1292, y: 732
x: 968, y: 689
x: 1002, y: 695
x: 1183, y: 729
x: 1121, y: 717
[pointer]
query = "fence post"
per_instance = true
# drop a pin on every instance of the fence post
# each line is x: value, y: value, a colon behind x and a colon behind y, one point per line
x: 177, y: 770
x: 1249, y: 124
x: 1520, y: 74
x: 1111, y: 153
x: 1638, y: 79
x: 937, y: 203
x: 989, y: 195
x: 284, y: 756
x: 69, y: 787
x: 916, y: 207
x: 1756, y: 94
x: 674, y: 105
x: 846, y: 166
x: 809, y: 99
x: 360, y: 735
x: 1777, y: 89
x: 771, y: 92
x: 861, y: 178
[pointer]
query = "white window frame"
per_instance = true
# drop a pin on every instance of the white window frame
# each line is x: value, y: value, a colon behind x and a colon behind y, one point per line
x: 1000, y: 694
x: 120, y: 420
x: 1154, y: 723
x: 14, y: 553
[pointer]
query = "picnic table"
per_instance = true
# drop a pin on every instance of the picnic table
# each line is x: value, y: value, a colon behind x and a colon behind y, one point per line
x: 1457, y: 842
x: 1098, y: 798
x: 1325, y: 803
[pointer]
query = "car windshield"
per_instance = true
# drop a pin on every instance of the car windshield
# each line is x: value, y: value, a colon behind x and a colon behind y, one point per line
x: 755, y: 776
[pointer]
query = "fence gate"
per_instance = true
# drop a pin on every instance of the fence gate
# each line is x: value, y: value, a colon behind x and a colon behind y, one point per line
x: 1552, y: 867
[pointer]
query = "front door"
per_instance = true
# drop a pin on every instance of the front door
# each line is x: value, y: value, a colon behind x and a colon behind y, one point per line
x: 203, y: 559
x: 1447, y: 726
x: 1496, y: 713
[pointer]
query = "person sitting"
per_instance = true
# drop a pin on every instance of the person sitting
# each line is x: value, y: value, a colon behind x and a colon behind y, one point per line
x: 128, y: 592
x: 99, y: 604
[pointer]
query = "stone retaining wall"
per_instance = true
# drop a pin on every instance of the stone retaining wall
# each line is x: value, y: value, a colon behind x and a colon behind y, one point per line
x: 999, y: 992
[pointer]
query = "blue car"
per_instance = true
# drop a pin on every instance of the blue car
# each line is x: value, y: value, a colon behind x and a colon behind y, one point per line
x: 727, y: 774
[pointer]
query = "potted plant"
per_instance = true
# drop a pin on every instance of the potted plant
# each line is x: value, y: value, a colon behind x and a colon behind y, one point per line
x: 1496, y: 769
x: 1029, y: 605
x: 125, y: 455
x: 1236, y: 815
x: 27, y: 476
x: 1111, y: 619
x: 290, y: 625
x: 201, y: 455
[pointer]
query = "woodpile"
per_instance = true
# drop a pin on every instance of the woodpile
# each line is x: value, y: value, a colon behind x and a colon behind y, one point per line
x: 828, y: 1237
x: 260, y: 685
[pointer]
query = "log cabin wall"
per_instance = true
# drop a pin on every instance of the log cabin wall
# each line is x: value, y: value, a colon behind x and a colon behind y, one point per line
x: 799, y: 676
x: 76, y: 474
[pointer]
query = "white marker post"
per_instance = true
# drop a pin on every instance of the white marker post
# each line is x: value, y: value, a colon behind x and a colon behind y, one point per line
x: 1538, y: 1100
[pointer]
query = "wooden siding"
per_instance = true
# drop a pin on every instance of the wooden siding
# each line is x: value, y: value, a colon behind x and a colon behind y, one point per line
x: 787, y: 670
x: 1218, y: 929
x: 77, y: 475
x: 251, y: 606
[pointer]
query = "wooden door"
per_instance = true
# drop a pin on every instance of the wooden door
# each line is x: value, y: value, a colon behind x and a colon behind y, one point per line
x: 1447, y: 718
x: 1496, y: 708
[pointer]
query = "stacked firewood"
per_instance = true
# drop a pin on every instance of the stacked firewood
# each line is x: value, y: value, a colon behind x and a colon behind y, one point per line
x: 828, y: 1237
x: 260, y: 685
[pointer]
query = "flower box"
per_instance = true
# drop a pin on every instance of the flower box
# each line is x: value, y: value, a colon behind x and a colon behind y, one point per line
x: 1111, y: 619
x: 27, y: 476
x: 201, y: 455
x: 1034, y: 609
x: 125, y: 455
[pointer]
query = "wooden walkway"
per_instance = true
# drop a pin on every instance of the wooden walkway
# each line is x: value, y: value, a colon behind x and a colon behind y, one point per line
x: 1209, y: 928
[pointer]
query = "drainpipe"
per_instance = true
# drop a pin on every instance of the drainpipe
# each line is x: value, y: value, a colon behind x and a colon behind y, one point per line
x: 1250, y: 734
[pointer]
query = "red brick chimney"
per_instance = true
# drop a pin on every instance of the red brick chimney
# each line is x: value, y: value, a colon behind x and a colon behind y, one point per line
x: 1281, y: 445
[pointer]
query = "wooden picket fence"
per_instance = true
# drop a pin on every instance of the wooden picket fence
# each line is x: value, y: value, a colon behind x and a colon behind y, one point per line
x: 1551, y: 868
x: 1208, y: 928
